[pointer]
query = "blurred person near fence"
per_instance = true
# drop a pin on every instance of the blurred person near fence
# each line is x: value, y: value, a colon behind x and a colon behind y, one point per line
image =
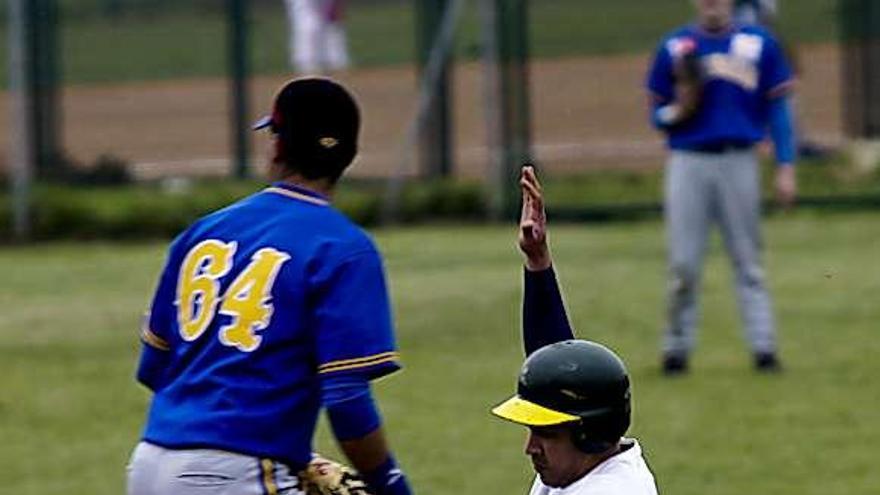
x: 317, y: 39
x: 716, y: 87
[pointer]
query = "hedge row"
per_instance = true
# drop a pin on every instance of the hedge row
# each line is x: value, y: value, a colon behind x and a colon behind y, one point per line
x: 139, y: 211
x: 163, y: 210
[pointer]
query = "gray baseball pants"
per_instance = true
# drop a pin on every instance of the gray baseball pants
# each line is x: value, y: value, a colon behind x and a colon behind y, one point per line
x: 703, y: 189
x: 155, y: 470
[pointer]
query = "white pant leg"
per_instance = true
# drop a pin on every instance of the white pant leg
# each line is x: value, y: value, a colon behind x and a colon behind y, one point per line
x: 306, y: 33
x: 155, y: 470
x: 290, y: 9
x: 688, y: 201
x: 739, y: 210
x: 336, y: 47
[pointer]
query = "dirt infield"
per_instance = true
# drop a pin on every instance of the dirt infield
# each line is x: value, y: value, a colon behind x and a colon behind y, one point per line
x: 589, y: 112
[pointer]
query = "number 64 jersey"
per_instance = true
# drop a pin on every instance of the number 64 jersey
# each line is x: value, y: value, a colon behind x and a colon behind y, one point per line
x: 257, y: 303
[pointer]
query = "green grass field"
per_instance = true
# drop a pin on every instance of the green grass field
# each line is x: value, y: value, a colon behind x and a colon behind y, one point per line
x: 70, y: 411
x: 177, y: 41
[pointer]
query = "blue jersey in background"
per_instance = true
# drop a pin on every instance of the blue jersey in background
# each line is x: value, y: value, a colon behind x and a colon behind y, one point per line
x: 744, y: 70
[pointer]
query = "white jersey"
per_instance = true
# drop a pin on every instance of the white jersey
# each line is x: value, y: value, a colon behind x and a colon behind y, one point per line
x: 623, y: 474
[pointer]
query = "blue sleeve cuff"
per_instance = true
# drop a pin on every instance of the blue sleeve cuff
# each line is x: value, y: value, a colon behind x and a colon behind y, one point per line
x: 388, y: 479
x: 782, y: 130
x: 350, y: 406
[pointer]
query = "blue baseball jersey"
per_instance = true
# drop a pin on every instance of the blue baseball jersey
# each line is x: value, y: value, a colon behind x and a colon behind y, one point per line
x: 744, y: 69
x: 256, y: 304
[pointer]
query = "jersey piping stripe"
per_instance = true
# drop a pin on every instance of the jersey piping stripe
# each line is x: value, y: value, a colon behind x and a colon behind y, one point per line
x: 296, y: 195
x: 153, y: 340
x: 357, y: 366
x: 354, y: 360
x: 347, y: 364
x: 269, y: 485
x: 781, y: 89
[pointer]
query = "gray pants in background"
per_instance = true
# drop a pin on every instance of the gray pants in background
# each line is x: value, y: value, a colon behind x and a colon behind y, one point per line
x: 155, y: 470
x: 703, y: 189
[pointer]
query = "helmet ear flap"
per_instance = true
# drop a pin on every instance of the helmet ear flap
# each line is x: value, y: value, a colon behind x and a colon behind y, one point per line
x: 586, y: 443
x: 597, y: 434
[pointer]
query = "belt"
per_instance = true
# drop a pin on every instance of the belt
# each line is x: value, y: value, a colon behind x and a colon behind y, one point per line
x: 717, y: 148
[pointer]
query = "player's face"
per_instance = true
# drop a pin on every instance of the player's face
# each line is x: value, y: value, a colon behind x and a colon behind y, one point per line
x: 714, y: 11
x: 554, y: 456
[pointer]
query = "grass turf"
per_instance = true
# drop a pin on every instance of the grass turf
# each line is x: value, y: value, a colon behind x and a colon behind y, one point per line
x: 70, y: 411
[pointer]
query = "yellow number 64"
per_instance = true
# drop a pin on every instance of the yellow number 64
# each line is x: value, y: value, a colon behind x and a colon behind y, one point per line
x: 246, y: 301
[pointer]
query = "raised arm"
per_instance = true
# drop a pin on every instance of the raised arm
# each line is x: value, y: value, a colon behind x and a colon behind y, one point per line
x: 544, y: 318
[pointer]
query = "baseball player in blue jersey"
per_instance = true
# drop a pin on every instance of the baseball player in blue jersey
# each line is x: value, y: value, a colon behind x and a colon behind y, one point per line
x: 716, y: 88
x: 573, y: 395
x: 266, y: 312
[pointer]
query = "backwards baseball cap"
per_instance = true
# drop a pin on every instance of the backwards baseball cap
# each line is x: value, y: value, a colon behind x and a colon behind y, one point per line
x: 317, y: 122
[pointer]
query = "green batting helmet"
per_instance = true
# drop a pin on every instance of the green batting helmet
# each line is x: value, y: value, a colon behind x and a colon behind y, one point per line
x: 577, y: 382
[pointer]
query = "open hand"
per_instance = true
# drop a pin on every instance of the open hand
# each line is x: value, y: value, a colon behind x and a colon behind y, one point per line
x: 533, y: 222
x: 786, y: 186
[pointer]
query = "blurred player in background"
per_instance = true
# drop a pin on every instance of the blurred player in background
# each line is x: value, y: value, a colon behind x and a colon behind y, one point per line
x: 573, y: 395
x: 266, y: 312
x: 716, y: 87
x: 317, y: 35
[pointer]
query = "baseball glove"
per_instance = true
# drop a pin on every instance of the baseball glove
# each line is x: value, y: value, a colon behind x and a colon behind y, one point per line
x: 325, y: 477
x: 688, y: 72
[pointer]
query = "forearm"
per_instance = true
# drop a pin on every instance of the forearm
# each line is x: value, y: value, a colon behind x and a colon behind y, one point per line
x: 782, y: 130
x: 371, y: 457
x: 368, y: 452
x: 357, y: 426
x: 544, y: 318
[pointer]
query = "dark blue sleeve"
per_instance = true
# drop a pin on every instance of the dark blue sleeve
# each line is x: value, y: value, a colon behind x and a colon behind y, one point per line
x: 350, y: 406
x: 158, y: 324
x: 353, y: 319
x: 544, y: 318
x: 776, y: 76
x: 152, y: 366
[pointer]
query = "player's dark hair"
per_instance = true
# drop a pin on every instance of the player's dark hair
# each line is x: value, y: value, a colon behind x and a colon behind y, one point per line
x: 317, y: 123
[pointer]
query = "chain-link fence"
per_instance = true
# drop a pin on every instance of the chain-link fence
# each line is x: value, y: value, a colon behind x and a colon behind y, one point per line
x: 144, y: 84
